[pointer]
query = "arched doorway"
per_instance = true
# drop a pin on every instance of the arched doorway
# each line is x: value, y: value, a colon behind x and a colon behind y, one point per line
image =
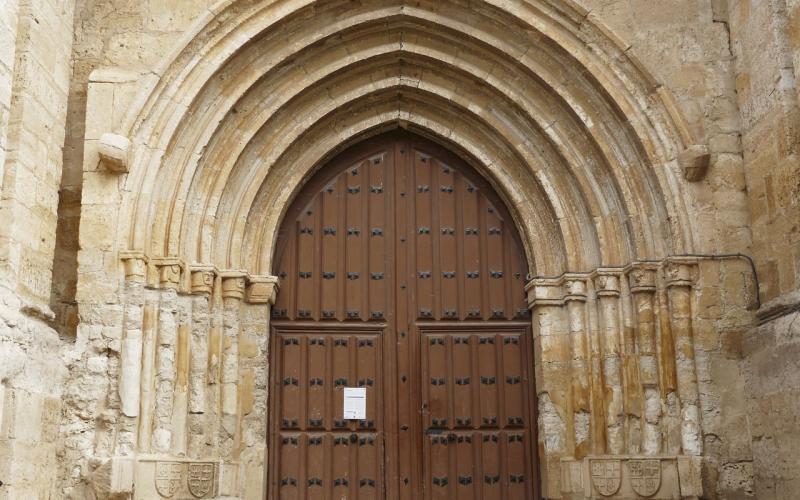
x: 401, y: 274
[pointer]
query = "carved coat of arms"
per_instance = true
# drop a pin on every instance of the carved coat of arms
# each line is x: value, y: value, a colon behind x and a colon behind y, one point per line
x: 201, y: 479
x: 606, y: 476
x: 645, y: 476
x: 168, y: 478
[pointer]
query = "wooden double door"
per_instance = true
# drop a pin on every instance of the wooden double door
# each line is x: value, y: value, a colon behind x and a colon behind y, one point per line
x: 401, y: 273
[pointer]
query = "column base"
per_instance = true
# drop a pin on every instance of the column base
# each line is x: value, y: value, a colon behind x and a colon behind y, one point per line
x: 148, y: 477
x: 632, y: 476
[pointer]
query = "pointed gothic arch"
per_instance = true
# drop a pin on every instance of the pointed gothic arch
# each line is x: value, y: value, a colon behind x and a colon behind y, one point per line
x: 576, y: 138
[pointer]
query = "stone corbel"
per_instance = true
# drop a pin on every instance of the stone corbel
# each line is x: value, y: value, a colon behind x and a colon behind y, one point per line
x: 170, y: 272
x: 202, y: 279
x: 262, y: 289
x: 115, y: 153
x: 694, y: 162
x: 234, y: 284
x: 135, y: 265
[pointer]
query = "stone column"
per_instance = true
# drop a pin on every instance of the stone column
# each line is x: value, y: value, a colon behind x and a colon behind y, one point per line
x: 678, y: 276
x: 643, y: 288
x: 608, y: 292
x: 233, y: 290
x: 202, y: 286
x: 146, y: 399
x: 253, y: 368
x: 581, y: 370
x: 169, y: 274
x: 631, y: 385
x: 551, y: 346
x: 130, y: 376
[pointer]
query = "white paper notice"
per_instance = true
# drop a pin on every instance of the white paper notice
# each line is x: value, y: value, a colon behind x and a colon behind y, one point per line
x: 355, y: 403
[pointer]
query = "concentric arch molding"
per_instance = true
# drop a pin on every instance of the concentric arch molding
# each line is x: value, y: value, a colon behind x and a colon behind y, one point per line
x: 579, y: 140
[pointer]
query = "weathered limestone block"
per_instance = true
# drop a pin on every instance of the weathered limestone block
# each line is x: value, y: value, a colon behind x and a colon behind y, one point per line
x: 115, y: 152
x: 694, y: 162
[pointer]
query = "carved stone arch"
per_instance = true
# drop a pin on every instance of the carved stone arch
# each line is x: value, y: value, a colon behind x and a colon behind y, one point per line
x: 578, y: 140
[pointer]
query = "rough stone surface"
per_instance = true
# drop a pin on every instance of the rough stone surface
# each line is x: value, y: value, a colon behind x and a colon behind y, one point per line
x: 148, y: 150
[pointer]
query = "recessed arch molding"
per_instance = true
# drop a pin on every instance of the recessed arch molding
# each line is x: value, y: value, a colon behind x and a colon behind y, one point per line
x: 580, y: 142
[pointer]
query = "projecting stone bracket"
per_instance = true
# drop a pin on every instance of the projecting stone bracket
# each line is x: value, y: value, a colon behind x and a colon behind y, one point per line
x: 115, y: 152
x: 694, y: 162
x: 632, y: 476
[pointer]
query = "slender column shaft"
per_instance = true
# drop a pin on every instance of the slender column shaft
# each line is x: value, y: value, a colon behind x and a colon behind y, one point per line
x: 608, y: 293
x: 580, y: 364
x: 679, y: 292
x: 643, y: 288
x: 233, y: 287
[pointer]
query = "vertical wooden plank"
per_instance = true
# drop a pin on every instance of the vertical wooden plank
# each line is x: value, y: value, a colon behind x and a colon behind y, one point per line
x: 315, y: 470
x: 495, y: 279
x: 329, y: 238
x: 463, y: 381
x: 487, y: 361
x: 357, y: 233
x: 289, y: 485
x: 424, y: 241
x: 316, y: 382
x: 446, y: 259
x: 469, y: 241
x: 373, y: 171
x: 512, y: 379
x: 306, y: 264
x: 289, y: 381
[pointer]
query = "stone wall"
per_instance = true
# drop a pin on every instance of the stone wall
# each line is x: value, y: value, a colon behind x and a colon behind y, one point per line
x: 35, y: 63
x: 133, y: 36
x: 767, y: 48
x: 771, y: 354
x: 724, y: 71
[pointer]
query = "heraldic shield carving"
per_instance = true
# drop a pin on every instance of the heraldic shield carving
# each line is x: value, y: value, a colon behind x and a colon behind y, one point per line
x: 606, y: 476
x: 168, y: 478
x: 645, y: 476
x: 201, y: 479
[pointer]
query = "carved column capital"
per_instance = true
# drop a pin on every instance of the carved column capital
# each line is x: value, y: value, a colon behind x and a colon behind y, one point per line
x: 607, y: 283
x: 642, y: 278
x: 545, y: 291
x: 203, y: 279
x: 575, y: 287
x: 169, y: 272
x: 135, y: 264
x: 233, y: 284
x: 679, y: 272
x: 262, y: 289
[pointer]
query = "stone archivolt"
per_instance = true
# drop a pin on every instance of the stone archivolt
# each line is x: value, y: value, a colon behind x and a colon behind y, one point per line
x: 533, y: 95
x: 580, y: 142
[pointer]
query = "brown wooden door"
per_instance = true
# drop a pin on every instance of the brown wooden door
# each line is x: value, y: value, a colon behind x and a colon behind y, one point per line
x: 401, y: 272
